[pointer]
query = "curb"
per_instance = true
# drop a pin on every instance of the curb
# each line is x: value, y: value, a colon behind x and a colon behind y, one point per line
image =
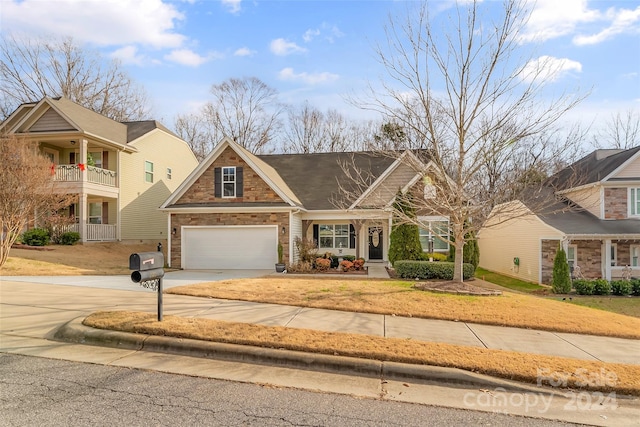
x: 75, y: 332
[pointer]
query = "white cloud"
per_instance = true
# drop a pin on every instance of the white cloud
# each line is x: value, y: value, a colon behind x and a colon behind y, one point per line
x: 548, y: 68
x: 553, y: 18
x: 310, y: 34
x: 128, y: 55
x: 282, y: 47
x: 244, y: 51
x: 188, y: 57
x: 622, y: 21
x: 315, y: 78
x: 232, y: 5
x: 106, y: 23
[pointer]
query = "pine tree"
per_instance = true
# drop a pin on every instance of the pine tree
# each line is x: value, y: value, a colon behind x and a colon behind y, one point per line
x: 561, y: 275
x: 405, y: 238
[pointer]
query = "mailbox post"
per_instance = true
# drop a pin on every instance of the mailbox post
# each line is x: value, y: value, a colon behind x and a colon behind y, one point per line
x: 149, y: 270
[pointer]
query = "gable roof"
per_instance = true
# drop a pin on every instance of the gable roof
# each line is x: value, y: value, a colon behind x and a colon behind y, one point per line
x: 136, y: 129
x: 595, y: 167
x: 315, y: 178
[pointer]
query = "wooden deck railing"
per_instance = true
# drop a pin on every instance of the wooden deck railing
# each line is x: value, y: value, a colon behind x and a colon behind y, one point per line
x: 72, y: 173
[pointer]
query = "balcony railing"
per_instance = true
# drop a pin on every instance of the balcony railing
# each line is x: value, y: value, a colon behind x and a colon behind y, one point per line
x: 72, y: 173
x: 97, y: 232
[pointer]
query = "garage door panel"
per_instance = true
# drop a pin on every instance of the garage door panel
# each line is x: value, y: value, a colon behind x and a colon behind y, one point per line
x: 230, y: 247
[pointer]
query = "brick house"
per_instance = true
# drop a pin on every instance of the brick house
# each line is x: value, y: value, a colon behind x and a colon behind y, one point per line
x: 235, y: 208
x: 600, y: 234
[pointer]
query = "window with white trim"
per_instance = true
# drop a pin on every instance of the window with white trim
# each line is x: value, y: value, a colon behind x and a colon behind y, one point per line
x: 148, y: 171
x: 634, y: 201
x: 635, y: 255
x: 95, y: 213
x: 168, y: 173
x: 435, y: 234
x: 572, y: 255
x: 333, y: 236
x: 96, y: 158
x: 229, y: 181
x: 614, y: 254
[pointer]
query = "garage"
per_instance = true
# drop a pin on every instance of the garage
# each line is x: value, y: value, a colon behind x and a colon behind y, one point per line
x: 229, y: 247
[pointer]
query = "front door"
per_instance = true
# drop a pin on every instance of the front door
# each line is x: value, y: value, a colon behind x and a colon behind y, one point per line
x: 375, y: 243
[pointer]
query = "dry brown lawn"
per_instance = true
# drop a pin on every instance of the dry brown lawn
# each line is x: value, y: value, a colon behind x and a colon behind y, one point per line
x: 397, y: 297
x: 81, y: 260
x: 504, y: 364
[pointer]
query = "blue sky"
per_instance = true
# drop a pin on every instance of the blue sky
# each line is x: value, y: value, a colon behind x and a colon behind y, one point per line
x: 320, y: 51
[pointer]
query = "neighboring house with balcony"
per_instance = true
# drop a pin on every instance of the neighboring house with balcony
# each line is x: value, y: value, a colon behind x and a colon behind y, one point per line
x: 121, y: 172
x: 235, y: 208
x: 596, y: 220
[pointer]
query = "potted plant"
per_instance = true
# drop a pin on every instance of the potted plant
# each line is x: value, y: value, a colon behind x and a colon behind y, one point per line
x: 280, y: 265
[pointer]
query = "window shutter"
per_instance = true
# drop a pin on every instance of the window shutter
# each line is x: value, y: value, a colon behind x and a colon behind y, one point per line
x: 105, y: 212
x: 72, y: 158
x: 239, y: 182
x: 105, y: 160
x: 217, y: 182
x: 316, y: 234
x: 352, y: 236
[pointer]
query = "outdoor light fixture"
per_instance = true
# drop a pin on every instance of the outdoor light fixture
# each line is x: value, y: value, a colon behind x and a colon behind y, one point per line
x: 174, y: 231
x: 73, y: 143
x: 284, y: 230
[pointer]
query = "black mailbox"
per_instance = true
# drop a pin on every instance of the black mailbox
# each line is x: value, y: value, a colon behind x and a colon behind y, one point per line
x: 146, y: 261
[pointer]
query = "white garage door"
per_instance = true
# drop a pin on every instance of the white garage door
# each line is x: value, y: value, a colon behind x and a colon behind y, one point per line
x: 210, y: 248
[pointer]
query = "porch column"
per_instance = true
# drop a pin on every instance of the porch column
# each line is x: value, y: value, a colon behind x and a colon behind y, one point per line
x: 607, y: 259
x: 82, y: 216
x: 83, y: 160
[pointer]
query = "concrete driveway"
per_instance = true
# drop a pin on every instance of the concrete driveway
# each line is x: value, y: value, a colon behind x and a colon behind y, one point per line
x: 171, y: 279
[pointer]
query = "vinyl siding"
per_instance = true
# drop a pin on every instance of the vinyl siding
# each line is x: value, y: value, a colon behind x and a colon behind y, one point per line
x: 50, y: 121
x: 139, y: 200
x: 588, y: 199
x: 520, y: 237
x: 387, y: 189
x: 296, y: 231
x: 632, y: 170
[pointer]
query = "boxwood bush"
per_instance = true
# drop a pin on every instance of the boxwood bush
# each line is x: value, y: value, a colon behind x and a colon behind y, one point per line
x: 621, y: 287
x: 601, y: 287
x: 430, y: 270
x: 69, y: 238
x: 36, y: 237
x: 584, y: 286
x: 635, y: 287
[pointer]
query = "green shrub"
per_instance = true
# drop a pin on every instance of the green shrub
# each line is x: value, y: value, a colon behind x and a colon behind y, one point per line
x: 584, y: 286
x: 635, y: 287
x: 436, y: 256
x: 349, y: 258
x: 36, y: 237
x: 601, y: 287
x: 430, y: 270
x: 561, y: 283
x: 69, y: 238
x: 621, y: 287
x: 334, y: 261
x: 404, y: 240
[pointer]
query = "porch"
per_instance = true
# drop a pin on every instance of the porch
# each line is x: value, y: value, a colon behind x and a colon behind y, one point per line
x: 96, y: 175
x: 96, y: 232
x: 610, y: 259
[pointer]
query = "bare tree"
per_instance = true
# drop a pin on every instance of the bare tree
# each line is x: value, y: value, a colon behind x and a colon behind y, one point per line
x: 27, y: 189
x: 464, y: 93
x: 197, y: 132
x: 32, y: 68
x: 622, y: 131
x: 246, y: 110
x: 306, y: 130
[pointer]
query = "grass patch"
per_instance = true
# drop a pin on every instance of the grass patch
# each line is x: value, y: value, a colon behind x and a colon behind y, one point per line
x: 500, y: 363
x: 629, y: 306
x: 398, y: 298
x: 509, y: 282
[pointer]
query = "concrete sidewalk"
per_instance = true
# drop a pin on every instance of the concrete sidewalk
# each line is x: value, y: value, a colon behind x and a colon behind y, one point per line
x: 31, y: 314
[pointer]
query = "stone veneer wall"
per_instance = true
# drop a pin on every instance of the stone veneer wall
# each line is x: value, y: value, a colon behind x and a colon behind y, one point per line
x: 589, y: 257
x: 549, y: 249
x: 281, y: 219
x: 615, y: 203
x: 255, y: 189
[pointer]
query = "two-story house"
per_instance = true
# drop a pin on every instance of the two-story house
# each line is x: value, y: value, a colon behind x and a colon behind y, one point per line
x: 599, y: 228
x: 121, y: 172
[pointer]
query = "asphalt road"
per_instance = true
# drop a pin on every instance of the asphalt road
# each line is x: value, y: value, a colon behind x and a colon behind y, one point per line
x: 47, y: 392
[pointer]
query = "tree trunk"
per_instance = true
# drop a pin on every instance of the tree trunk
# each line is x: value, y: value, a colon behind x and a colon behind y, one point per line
x: 458, y: 234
